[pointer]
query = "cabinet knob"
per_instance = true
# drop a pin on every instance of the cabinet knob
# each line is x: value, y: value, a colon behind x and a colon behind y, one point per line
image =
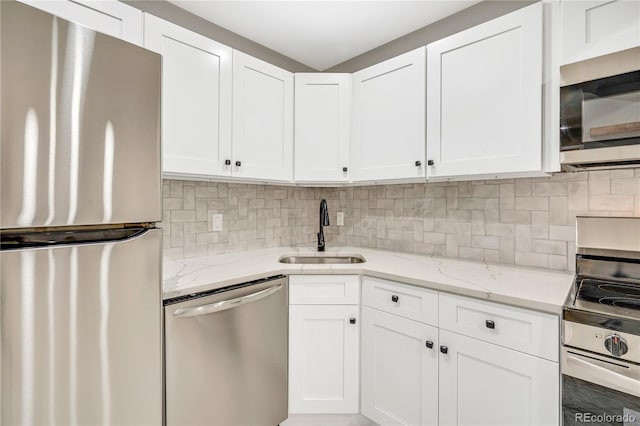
x: 352, y: 320
x: 238, y: 163
x: 429, y: 344
x: 227, y: 162
x: 418, y: 163
x: 444, y: 349
x: 394, y: 298
x: 430, y: 162
x: 490, y: 324
x: 344, y: 169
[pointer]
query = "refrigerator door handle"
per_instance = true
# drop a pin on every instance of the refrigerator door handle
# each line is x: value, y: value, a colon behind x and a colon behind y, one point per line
x: 226, y: 304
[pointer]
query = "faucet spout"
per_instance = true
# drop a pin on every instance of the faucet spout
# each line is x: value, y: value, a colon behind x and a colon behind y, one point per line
x: 324, y: 221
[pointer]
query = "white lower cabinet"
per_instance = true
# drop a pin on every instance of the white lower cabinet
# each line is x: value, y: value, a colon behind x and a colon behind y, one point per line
x: 323, y: 358
x: 324, y: 341
x: 426, y: 357
x: 399, y: 370
x: 486, y: 384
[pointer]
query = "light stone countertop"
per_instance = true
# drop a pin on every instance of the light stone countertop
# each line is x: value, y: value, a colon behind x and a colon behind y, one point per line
x: 533, y: 288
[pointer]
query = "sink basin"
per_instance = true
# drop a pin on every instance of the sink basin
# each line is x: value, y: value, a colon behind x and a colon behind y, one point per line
x: 303, y: 260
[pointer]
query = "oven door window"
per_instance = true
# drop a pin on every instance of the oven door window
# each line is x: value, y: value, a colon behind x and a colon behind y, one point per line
x: 588, y: 403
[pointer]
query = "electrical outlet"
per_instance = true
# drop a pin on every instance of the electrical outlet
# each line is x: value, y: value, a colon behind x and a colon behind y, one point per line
x: 340, y: 219
x: 215, y: 222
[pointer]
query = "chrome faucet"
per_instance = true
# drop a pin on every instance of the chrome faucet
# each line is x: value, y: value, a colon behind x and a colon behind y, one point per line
x: 324, y: 221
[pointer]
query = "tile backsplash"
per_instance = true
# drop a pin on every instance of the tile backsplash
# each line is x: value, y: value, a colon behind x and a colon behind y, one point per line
x: 529, y: 221
x: 254, y: 216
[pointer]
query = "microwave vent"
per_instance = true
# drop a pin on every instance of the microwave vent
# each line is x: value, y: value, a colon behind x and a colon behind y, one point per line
x: 604, y: 165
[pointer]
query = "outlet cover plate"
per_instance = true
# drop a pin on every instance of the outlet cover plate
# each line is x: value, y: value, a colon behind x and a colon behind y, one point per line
x: 216, y: 222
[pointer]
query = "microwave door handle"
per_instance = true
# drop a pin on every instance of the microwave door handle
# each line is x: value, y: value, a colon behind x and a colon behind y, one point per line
x: 225, y: 304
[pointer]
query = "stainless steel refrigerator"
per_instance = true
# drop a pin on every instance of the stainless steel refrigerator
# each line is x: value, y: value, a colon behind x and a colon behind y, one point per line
x: 80, y: 195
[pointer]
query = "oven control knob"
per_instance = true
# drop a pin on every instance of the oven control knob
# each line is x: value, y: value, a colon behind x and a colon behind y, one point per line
x: 616, y: 345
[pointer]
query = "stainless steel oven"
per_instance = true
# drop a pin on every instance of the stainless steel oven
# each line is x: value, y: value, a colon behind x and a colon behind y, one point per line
x: 600, y: 359
x: 600, y: 113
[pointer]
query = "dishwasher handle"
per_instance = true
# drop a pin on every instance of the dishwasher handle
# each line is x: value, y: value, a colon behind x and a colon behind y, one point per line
x: 226, y: 304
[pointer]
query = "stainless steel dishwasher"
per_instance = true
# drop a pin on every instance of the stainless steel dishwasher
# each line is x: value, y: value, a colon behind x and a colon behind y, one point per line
x: 226, y: 354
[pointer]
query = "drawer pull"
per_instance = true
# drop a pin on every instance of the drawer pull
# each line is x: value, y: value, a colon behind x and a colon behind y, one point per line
x: 394, y: 298
x: 352, y: 320
x: 444, y: 349
x: 429, y: 344
x: 490, y: 324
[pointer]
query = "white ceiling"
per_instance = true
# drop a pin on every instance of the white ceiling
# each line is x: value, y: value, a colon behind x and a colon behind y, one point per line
x: 321, y: 34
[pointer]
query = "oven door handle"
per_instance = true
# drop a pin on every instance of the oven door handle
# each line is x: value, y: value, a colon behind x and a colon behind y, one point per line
x: 608, y: 372
x: 225, y: 304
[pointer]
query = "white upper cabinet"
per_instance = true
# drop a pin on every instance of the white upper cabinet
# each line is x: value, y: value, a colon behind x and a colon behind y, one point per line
x: 389, y: 119
x: 597, y: 27
x: 196, y: 100
x: 107, y: 16
x: 485, y: 98
x: 322, y: 127
x: 262, y: 119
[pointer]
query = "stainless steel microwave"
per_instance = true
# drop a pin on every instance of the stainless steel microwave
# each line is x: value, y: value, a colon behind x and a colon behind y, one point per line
x: 600, y: 114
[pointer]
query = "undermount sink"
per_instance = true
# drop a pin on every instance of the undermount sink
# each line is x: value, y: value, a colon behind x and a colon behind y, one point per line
x: 302, y: 260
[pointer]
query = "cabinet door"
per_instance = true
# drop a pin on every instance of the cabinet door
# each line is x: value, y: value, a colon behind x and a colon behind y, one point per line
x: 262, y: 119
x: 196, y: 99
x: 485, y: 98
x: 598, y: 27
x: 106, y: 16
x: 399, y: 370
x: 322, y: 127
x: 485, y: 384
x: 388, y: 119
x: 323, y: 359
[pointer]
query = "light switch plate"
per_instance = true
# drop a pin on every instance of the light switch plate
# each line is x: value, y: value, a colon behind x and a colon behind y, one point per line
x: 340, y: 219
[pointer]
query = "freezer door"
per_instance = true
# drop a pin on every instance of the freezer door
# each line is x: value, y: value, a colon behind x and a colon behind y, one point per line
x: 80, y: 334
x: 80, y: 137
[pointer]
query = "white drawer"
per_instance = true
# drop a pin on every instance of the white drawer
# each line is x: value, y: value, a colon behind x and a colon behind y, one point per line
x: 405, y: 300
x: 324, y: 289
x: 532, y: 332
